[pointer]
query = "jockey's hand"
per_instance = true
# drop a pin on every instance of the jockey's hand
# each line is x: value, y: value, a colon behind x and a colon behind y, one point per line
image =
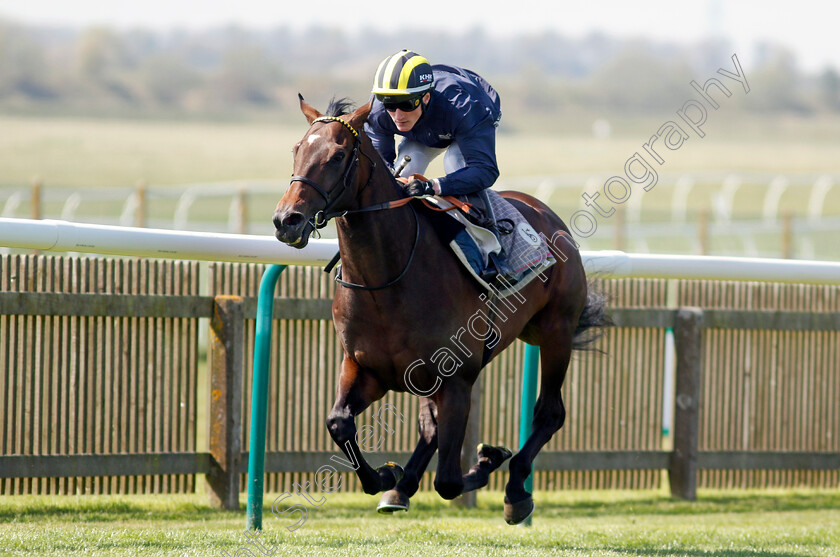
x: 419, y: 188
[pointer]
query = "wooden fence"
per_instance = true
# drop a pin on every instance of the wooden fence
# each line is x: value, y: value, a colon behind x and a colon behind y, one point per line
x: 104, y: 388
x: 96, y: 359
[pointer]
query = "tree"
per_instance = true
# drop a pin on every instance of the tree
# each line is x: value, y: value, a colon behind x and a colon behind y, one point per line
x: 247, y: 76
x: 166, y: 79
x: 829, y: 87
x: 23, y: 69
x: 100, y: 55
x: 776, y: 84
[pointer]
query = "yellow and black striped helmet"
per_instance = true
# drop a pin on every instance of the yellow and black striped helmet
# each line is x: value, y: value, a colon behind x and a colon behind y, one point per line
x: 404, y: 74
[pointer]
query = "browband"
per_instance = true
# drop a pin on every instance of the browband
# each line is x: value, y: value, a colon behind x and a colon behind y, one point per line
x: 340, y: 121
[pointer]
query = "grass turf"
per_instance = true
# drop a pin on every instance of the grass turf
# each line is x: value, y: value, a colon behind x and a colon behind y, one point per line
x: 616, y: 523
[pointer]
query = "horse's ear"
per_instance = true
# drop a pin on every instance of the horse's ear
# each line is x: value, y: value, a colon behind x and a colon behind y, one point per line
x: 357, y: 119
x: 308, y: 110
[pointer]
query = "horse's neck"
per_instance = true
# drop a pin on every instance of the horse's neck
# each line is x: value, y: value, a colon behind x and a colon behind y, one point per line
x: 375, y: 245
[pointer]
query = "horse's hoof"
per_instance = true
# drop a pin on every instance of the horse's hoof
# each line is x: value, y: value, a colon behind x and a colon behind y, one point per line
x: 392, y: 501
x: 390, y: 471
x: 518, y: 512
x: 495, y: 455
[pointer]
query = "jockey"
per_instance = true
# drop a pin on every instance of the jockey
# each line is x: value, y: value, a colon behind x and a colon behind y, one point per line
x: 435, y: 109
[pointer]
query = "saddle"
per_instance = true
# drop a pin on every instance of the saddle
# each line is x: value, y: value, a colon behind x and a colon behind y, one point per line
x: 489, y: 236
x: 492, y: 239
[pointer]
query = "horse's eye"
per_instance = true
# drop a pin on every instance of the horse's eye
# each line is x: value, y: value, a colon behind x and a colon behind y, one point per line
x: 338, y: 157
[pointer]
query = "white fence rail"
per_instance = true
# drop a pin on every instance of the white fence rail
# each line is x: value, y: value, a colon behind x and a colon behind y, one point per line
x: 790, y: 215
x: 52, y: 235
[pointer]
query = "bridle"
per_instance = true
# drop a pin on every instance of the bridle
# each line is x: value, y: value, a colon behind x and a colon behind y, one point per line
x: 331, y: 198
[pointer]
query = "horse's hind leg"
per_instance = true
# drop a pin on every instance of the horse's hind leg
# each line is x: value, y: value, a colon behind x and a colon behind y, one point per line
x: 397, y: 498
x: 358, y: 390
x: 549, y: 415
x: 490, y: 459
x: 453, y: 402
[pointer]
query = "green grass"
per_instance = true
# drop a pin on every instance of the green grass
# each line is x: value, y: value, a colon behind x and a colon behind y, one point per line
x: 731, y: 523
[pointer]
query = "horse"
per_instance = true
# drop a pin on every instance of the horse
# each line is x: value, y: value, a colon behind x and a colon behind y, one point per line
x: 405, y: 299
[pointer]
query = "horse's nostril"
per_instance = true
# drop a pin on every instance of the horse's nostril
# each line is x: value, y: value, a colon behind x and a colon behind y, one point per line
x: 292, y: 220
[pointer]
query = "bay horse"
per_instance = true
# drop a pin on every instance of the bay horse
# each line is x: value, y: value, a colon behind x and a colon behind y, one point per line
x: 405, y: 299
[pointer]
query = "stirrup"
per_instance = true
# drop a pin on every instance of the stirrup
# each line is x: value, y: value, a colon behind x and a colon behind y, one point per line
x: 492, y: 270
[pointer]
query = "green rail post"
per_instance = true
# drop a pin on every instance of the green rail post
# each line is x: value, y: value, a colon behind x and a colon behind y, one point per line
x: 259, y: 396
x: 530, y: 374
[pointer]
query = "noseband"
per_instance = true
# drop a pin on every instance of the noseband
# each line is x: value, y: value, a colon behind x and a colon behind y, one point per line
x: 332, y: 196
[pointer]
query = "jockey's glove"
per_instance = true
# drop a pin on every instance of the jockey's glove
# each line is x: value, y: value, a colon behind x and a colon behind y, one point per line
x: 419, y: 188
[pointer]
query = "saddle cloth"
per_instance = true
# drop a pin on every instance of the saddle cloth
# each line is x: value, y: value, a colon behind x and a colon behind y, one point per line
x: 514, y: 250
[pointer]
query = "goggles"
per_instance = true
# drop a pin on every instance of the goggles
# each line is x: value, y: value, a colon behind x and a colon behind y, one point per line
x: 405, y: 106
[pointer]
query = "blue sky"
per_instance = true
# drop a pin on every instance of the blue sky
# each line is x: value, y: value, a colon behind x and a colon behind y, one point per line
x: 807, y: 27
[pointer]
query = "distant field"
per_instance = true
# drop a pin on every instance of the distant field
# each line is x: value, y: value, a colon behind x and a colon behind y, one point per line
x: 76, y: 152
x: 69, y: 154
x: 732, y: 523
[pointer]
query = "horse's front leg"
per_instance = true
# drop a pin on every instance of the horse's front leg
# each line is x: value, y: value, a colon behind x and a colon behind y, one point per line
x: 397, y: 499
x: 357, y: 390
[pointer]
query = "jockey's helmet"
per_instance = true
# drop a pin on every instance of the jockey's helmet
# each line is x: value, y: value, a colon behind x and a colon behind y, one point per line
x: 404, y: 76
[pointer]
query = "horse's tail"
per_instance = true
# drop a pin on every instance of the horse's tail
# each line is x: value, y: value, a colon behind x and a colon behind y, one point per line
x: 593, y: 320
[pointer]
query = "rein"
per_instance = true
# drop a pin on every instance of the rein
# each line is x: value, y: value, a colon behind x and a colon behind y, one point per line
x: 322, y: 217
x: 391, y: 282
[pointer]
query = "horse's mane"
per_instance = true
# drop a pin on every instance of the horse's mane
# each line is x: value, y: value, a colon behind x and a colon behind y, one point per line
x: 342, y: 106
x: 339, y: 107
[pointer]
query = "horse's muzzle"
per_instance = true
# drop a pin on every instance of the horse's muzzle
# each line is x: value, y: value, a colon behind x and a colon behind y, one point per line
x: 292, y: 228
